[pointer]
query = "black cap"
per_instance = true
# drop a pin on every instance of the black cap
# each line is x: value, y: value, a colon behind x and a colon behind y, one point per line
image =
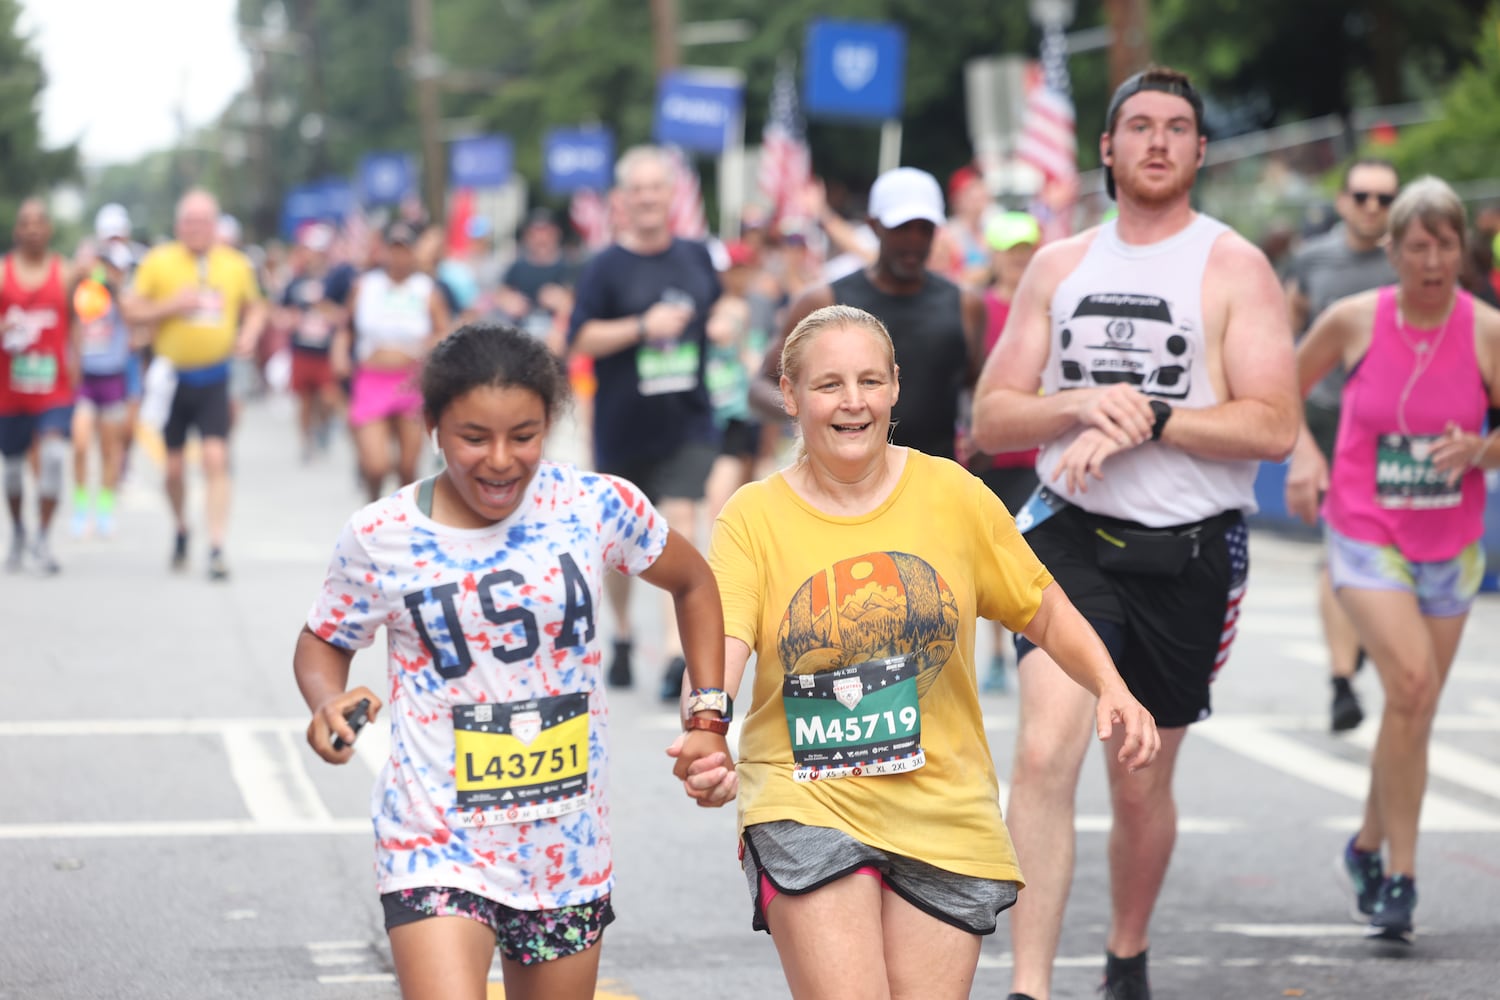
x: 400, y: 232
x: 1160, y: 78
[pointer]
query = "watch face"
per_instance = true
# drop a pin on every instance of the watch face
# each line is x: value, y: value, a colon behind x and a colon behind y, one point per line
x: 709, y: 701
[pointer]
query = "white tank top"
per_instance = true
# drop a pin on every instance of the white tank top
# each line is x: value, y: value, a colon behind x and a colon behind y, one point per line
x: 1134, y: 314
x: 391, y: 315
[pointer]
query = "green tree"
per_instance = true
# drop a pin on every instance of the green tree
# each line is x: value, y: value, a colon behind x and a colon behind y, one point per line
x: 26, y: 168
x: 1463, y: 143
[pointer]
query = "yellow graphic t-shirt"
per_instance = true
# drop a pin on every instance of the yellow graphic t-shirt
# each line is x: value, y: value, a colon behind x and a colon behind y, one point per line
x: 226, y: 284
x: 864, y: 710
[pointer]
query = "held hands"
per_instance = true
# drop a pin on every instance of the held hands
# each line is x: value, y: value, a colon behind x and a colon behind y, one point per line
x: 1085, y: 457
x: 1306, y: 480
x: 705, y: 768
x: 1117, y: 707
x: 328, y: 720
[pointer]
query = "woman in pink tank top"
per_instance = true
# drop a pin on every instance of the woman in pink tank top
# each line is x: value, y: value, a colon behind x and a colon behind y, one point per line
x: 1405, y: 510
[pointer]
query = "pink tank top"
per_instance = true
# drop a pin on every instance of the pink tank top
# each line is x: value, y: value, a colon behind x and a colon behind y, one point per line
x: 1397, y: 401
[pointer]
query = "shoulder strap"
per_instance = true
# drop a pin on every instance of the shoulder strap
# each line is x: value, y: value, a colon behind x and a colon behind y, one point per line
x: 424, y: 495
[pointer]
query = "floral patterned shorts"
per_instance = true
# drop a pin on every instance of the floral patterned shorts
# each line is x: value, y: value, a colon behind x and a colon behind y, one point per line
x: 525, y: 936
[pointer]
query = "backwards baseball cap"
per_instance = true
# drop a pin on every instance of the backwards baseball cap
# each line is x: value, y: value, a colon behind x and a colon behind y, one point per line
x: 112, y: 222
x: 904, y: 195
x: 1158, y: 78
x: 1010, y: 229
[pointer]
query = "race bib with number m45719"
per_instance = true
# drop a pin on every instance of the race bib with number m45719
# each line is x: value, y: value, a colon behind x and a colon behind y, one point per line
x: 854, y: 721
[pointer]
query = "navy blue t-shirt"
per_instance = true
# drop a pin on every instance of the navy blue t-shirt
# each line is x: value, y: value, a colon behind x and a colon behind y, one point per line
x: 650, y: 400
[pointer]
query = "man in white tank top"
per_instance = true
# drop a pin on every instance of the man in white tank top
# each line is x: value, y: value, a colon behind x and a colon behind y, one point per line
x: 1150, y: 360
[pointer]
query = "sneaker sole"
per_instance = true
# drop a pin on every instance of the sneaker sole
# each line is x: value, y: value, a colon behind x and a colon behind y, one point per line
x: 1400, y: 935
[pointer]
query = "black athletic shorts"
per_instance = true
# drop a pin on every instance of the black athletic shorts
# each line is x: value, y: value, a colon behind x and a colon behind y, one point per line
x: 741, y: 439
x: 678, y: 476
x: 205, y: 407
x: 1168, y: 629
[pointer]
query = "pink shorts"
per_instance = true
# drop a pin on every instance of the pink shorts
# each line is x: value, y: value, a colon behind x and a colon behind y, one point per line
x: 378, y: 393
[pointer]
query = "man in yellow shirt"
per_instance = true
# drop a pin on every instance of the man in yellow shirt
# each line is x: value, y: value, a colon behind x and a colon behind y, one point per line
x: 202, y: 303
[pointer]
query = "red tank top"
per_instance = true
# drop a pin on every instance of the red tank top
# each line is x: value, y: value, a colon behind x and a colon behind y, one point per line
x: 34, y: 373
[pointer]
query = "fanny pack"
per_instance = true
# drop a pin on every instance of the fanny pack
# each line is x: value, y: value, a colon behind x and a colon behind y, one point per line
x: 1147, y: 551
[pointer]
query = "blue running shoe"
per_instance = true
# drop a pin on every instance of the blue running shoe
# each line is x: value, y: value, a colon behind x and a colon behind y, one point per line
x: 1392, y: 916
x: 1365, y: 874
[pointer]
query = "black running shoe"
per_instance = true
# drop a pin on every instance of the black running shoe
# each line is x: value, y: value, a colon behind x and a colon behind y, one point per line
x: 179, y: 552
x: 1391, y: 919
x: 1365, y: 873
x: 671, y: 680
x: 619, y: 667
x: 1125, y: 978
x: 1346, y: 711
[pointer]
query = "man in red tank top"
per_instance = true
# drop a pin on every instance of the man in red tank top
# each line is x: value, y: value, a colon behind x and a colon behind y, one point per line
x: 38, y: 376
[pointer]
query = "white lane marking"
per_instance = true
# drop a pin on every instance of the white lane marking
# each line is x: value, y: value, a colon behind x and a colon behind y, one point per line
x: 1291, y: 930
x: 357, y: 977
x: 1298, y: 759
x: 1486, y: 706
x: 338, y: 945
x: 272, y: 781
x: 373, y: 745
x: 1449, y: 763
x: 329, y: 959
x: 146, y: 727
x: 179, y: 828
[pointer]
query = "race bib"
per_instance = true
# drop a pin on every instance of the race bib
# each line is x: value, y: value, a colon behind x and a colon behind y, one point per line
x: 521, y: 761
x: 854, y: 722
x: 210, y: 309
x: 660, y: 370
x: 726, y: 381
x: 1404, y: 475
x: 33, y: 374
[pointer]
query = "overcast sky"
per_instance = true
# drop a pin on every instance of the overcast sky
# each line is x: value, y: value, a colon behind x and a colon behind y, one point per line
x: 118, y: 70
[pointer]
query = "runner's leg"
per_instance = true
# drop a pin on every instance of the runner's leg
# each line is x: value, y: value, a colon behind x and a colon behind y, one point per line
x: 443, y: 958
x: 1141, y: 839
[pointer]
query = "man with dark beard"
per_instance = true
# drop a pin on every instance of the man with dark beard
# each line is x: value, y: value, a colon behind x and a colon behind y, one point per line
x: 1160, y: 347
x: 936, y: 326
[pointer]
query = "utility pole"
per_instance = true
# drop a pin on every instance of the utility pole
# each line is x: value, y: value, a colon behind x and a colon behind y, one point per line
x: 425, y: 70
x: 1130, y: 50
x: 664, y: 35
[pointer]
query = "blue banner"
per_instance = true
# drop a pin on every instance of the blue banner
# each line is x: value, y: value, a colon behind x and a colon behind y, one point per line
x: 855, y: 69
x: 480, y: 161
x: 575, y: 159
x: 695, y: 111
x: 385, y: 178
x: 328, y: 200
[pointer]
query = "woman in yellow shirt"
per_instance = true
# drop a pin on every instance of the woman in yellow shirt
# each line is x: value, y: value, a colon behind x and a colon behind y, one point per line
x: 855, y: 576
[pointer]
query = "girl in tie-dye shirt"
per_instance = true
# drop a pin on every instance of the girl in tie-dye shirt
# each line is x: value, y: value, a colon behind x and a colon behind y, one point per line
x: 488, y: 578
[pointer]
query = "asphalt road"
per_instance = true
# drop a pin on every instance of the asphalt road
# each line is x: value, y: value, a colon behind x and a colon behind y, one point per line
x: 165, y: 832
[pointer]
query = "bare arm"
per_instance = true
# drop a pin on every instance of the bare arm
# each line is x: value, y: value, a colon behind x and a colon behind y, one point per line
x: 252, y: 325
x: 322, y: 671
x: 974, y: 316
x: 1066, y: 636
x: 1262, y: 412
x: 684, y: 574
x: 765, y: 390
x: 1297, y: 305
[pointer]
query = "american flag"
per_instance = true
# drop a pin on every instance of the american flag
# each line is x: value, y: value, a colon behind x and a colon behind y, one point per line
x: 785, y: 162
x: 685, y: 215
x: 1048, y: 135
x: 1237, y: 540
x: 589, y: 213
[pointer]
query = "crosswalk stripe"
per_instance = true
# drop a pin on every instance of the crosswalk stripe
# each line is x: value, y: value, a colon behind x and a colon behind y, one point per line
x: 1449, y: 763
x: 272, y: 781
x: 1298, y: 759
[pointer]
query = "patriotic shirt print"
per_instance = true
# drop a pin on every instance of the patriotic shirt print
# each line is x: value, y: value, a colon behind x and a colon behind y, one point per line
x: 477, y: 617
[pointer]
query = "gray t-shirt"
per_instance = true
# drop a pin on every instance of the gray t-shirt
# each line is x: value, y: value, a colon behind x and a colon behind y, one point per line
x: 1326, y: 270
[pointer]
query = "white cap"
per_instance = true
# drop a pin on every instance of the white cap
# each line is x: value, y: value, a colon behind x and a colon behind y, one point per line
x: 316, y: 236
x: 905, y: 194
x: 112, y: 222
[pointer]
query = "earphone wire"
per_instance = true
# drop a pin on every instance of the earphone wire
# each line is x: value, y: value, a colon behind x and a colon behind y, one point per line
x: 1425, y: 351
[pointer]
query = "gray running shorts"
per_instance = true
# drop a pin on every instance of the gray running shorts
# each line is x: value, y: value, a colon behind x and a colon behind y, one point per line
x: 797, y: 859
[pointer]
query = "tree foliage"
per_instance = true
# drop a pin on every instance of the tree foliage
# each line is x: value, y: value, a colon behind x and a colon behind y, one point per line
x: 26, y: 168
x: 1464, y: 142
x: 523, y: 66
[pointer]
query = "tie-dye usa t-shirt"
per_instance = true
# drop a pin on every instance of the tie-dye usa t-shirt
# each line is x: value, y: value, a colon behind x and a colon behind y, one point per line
x: 489, y: 632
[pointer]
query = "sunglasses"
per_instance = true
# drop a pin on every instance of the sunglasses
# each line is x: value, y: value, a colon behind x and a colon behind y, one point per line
x: 1381, y: 197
